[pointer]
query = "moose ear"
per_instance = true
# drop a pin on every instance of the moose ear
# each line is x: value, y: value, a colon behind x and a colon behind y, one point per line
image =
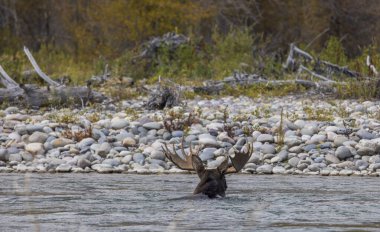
x: 198, y: 165
x: 223, y: 166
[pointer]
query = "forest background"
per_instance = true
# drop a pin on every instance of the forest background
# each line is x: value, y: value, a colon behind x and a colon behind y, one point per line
x: 77, y: 38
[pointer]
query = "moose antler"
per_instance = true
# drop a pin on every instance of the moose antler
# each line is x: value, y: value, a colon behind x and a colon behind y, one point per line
x: 240, y: 159
x: 173, y: 156
x: 212, y: 181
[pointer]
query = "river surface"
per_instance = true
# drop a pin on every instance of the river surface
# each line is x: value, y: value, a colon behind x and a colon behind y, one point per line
x: 126, y: 202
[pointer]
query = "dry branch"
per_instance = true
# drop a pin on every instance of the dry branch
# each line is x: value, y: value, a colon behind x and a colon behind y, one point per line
x: 56, y: 95
x: 319, y: 66
x: 38, y: 69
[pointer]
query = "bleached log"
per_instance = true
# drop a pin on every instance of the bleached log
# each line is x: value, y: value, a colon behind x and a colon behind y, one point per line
x: 6, y: 80
x: 217, y: 87
x: 314, y: 74
x: 35, y: 96
x: 371, y: 67
x: 38, y: 69
x: 338, y: 69
x: 294, y: 50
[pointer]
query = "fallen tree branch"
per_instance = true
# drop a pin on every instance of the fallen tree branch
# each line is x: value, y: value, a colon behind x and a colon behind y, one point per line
x: 330, y: 68
x: 6, y: 80
x: 303, y: 68
x: 371, y: 67
x: 246, y: 80
x: 38, y: 69
x: 319, y: 66
x: 35, y: 96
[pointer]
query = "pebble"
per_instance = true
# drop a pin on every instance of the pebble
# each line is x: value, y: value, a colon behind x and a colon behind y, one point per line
x: 119, y: 123
x: 265, y: 169
x: 133, y: 144
x: 35, y: 148
x: 38, y: 137
x: 343, y: 152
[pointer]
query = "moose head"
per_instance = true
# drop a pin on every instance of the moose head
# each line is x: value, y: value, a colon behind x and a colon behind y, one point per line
x: 212, y: 181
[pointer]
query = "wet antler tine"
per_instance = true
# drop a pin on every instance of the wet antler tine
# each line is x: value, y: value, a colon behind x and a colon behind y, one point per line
x: 177, y: 160
x: 240, y: 159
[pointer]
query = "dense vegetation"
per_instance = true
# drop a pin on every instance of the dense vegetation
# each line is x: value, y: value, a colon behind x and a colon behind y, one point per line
x: 77, y: 38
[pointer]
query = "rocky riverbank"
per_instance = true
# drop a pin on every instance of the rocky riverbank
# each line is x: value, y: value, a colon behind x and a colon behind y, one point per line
x: 290, y: 135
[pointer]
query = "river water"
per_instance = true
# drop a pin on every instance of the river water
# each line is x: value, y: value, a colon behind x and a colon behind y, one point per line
x: 125, y: 202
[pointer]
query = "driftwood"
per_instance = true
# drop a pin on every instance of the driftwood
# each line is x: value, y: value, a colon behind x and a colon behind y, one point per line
x: 170, y: 40
x: 242, y: 79
x: 54, y: 95
x: 371, y: 67
x: 320, y: 67
x: 164, y: 96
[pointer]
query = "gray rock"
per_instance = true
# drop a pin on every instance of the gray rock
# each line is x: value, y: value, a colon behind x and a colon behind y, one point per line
x: 15, y: 157
x: 138, y: 158
x: 343, y: 152
x: 152, y: 125
x: 11, y: 110
x: 316, y: 139
x: 255, y: 158
x: 86, y: 142
x: 102, y: 168
x: 265, y: 138
x: 177, y: 133
x: 112, y: 162
x: 361, y: 165
x: 302, y: 166
x: 345, y: 172
x: 126, y: 159
x: 300, y: 123
x: 346, y: 164
x: 364, y: 134
x: 325, y: 172
x: 208, y: 140
x: 374, y: 167
x: 296, y: 149
x: 374, y: 159
x: 26, y: 156
x: 103, y: 149
x: 157, y: 154
x: 207, y: 153
x: 268, y: 149
x: 63, y: 168
x: 33, y: 128
x: 339, y: 140
x: 331, y: 159
x: 309, y: 147
x: 129, y: 142
x: 61, y: 142
x: 362, y: 151
x: 38, y: 137
x: 265, y: 169
x: 319, y: 159
x: 293, y: 161
x: 308, y: 130
x: 278, y: 170
x: 35, y: 148
x: 20, y: 129
x: 83, y: 163
x: 314, y: 167
x: 280, y: 157
x: 119, y: 123
x: 3, y: 153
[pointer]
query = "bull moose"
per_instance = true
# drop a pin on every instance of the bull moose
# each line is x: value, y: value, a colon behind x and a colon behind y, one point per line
x: 212, y: 181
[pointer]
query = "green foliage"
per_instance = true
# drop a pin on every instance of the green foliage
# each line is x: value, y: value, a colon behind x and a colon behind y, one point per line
x: 259, y: 90
x: 318, y: 114
x: 334, y: 52
x: 365, y: 90
x: 231, y: 52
